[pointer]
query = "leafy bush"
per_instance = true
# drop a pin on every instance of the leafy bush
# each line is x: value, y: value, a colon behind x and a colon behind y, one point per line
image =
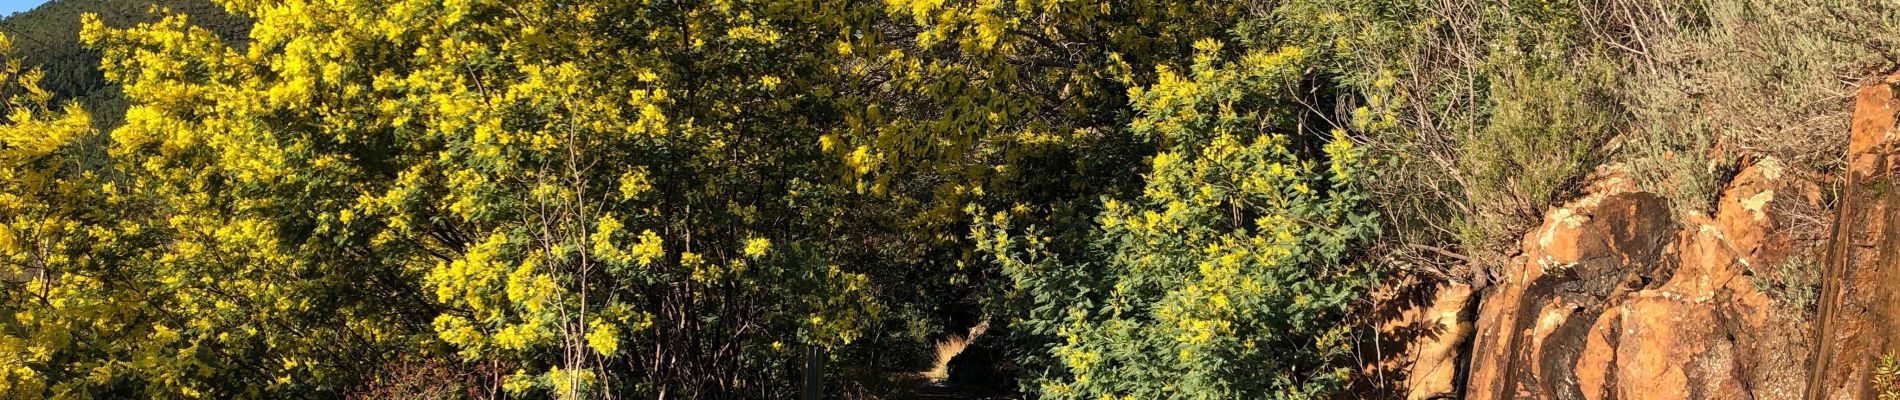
x: 51, y: 286
x: 1546, y: 125
x: 418, y: 180
x: 1794, y: 285
x: 1714, y: 81
x: 1886, y: 378
x: 47, y: 38
x: 526, y: 199
x: 1229, y: 276
x: 1496, y: 111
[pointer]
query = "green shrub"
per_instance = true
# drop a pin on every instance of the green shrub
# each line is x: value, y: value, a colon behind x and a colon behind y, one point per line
x: 1713, y: 81
x: 1231, y: 275
x: 1500, y: 110
x: 1542, y: 137
x: 1794, y: 286
x: 1887, y: 378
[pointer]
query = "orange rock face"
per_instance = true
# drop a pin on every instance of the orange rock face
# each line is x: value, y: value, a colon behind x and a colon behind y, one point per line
x: 1424, y: 329
x: 1613, y: 298
x: 1616, y: 296
x: 1859, y: 305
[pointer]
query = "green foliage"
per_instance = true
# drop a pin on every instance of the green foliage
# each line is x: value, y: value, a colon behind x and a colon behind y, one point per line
x: 416, y: 179
x: 47, y: 38
x: 1886, y: 378
x: 1724, y: 80
x: 660, y: 198
x: 586, y: 211
x: 1546, y: 125
x: 1000, y: 104
x: 1795, y: 285
x: 47, y: 309
x: 1227, y: 276
x: 1495, y: 110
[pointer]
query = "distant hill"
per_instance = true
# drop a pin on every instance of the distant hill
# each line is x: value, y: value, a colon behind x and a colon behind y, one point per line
x: 47, y: 37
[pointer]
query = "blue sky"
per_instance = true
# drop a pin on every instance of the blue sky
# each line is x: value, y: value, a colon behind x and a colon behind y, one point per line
x: 8, y: 7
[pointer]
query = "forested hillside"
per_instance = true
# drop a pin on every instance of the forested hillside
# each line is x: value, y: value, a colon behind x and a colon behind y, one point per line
x: 47, y: 39
x: 769, y: 198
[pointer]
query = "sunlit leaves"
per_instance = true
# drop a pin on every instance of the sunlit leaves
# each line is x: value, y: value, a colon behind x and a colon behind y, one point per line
x: 639, y: 198
x: 1224, y: 278
x: 527, y: 190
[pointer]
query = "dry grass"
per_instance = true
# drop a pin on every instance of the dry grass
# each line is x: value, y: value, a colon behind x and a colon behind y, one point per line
x: 949, y: 348
x: 1712, y: 82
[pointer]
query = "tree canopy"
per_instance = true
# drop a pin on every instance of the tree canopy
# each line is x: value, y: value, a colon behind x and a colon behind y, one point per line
x: 673, y: 198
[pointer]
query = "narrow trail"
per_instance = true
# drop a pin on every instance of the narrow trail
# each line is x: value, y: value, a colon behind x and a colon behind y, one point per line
x: 948, y: 349
x: 937, y: 382
x: 943, y: 392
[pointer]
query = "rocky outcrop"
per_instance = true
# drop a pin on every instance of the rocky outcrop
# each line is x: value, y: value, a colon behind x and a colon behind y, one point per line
x: 1859, y: 300
x: 1615, y: 296
x: 1435, y: 366
x: 1424, y: 328
x: 1619, y: 295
